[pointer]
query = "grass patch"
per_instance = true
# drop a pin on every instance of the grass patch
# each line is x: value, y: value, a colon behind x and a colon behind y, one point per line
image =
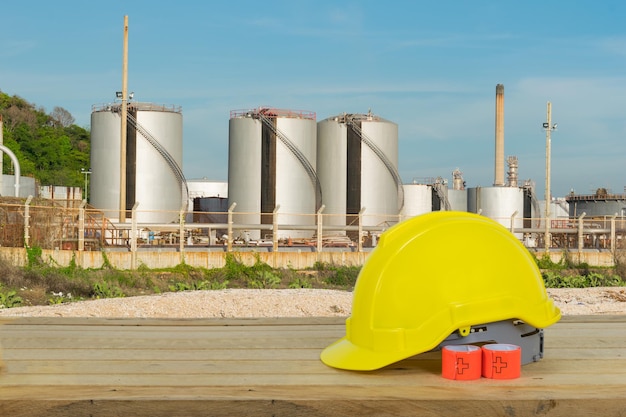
x: 41, y: 284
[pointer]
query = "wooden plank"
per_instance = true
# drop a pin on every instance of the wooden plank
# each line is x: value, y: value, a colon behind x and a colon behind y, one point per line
x: 245, y: 354
x: 264, y: 372
x: 158, y: 354
x: 100, y: 367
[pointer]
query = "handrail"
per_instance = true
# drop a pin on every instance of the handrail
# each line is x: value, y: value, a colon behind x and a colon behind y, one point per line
x: 171, y: 162
x: 139, y: 106
x: 594, y: 197
x: 273, y: 112
x: 298, y: 154
x: 76, y: 224
x: 352, y: 122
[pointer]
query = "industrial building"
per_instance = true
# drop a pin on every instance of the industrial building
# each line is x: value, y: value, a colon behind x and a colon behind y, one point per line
x: 292, y: 178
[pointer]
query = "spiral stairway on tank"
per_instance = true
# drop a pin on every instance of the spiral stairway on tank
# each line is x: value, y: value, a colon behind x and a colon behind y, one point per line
x: 352, y: 122
x: 297, y: 153
x: 442, y: 194
x: 169, y: 159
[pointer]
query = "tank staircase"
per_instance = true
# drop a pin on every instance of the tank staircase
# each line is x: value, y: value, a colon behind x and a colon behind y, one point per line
x: 353, y: 123
x: 535, y: 203
x: 98, y: 231
x: 297, y: 153
x: 167, y: 157
x: 442, y: 195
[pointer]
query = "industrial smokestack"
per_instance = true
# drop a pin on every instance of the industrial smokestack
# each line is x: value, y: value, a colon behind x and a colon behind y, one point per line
x: 499, y: 165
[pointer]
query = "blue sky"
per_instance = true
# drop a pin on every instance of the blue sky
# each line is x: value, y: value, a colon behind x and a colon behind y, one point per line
x: 431, y: 67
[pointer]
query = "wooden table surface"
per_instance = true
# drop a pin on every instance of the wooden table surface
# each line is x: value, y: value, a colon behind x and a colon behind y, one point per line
x: 270, y: 367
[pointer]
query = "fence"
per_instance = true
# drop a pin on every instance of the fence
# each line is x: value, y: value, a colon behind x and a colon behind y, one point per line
x: 202, y: 238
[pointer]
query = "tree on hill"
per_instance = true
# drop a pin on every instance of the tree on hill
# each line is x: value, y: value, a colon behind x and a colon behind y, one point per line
x: 49, y: 147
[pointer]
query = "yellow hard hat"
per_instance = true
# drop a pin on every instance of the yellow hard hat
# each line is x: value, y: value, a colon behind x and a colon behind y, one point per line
x: 432, y: 275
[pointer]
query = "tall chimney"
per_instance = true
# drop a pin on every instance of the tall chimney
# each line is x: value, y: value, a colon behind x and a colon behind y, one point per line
x: 499, y: 166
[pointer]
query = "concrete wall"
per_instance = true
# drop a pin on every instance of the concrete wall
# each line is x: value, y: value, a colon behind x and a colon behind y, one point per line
x: 208, y: 259
x: 168, y: 259
x: 592, y: 258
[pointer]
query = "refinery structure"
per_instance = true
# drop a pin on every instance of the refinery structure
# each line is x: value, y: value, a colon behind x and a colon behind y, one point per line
x: 293, y: 181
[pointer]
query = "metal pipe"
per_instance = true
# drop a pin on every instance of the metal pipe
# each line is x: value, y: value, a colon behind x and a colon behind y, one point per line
x: 181, y: 233
x: 133, y: 236
x: 229, y: 244
x: 613, y: 233
x: 580, y: 232
x: 16, y: 165
x: 27, y: 221
x: 359, y: 239
x: 513, y: 220
x: 275, y: 228
x: 81, y: 226
x: 319, y: 228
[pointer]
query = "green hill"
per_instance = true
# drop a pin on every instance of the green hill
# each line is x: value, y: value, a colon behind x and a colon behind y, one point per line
x: 49, y: 147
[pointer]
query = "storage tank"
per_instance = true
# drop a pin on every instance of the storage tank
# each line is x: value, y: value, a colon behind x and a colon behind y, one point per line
x: 153, y: 161
x: 418, y: 199
x: 203, y: 187
x: 358, y: 168
x: 200, y: 188
x: 457, y: 196
x: 457, y: 199
x: 600, y: 204
x: 271, y: 157
x: 214, y: 212
x: 499, y: 204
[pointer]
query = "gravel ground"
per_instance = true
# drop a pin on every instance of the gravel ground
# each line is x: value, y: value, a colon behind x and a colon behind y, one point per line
x: 240, y: 303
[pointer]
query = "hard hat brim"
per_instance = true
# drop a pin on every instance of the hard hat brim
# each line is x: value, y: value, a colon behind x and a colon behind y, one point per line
x: 344, y: 354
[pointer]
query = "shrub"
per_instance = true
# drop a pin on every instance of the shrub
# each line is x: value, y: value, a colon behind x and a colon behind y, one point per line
x: 264, y: 279
x: 9, y: 299
x: 105, y: 290
x: 554, y: 280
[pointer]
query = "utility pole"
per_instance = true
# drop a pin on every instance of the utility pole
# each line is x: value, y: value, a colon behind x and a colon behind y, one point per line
x: 548, y: 128
x: 124, y: 116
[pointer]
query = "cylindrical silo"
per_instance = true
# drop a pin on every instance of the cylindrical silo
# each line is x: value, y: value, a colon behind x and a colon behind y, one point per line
x: 332, y: 157
x: 154, y: 154
x: 501, y: 204
x: 418, y: 199
x: 244, y: 169
x: 271, y: 167
x: 457, y: 199
x: 457, y: 196
x: 600, y: 204
x: 358, y: 168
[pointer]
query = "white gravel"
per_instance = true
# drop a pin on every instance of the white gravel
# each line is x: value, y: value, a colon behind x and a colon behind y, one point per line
x: 241, y: 303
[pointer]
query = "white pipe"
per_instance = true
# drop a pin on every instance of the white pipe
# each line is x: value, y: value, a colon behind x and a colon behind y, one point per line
x: 18, y: 172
